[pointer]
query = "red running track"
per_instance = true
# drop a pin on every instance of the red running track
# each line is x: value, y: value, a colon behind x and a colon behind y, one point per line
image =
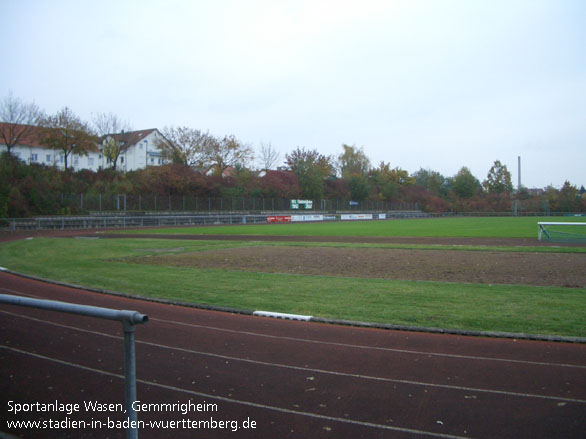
x: 292, y: 379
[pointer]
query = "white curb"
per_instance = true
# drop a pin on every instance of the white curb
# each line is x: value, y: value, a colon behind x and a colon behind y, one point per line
x: 281, y: 315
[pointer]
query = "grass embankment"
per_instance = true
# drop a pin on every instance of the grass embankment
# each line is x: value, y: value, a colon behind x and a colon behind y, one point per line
x: 107, y: 264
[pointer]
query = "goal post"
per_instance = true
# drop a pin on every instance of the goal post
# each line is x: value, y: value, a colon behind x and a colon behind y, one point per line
x: 562, y: 231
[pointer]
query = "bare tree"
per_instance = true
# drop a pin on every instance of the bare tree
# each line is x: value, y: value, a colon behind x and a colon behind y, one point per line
x: 110, y: 127
x: 66, y: 132
x: 269, y: 156
x: 184, y: 145
x: 20, y: 119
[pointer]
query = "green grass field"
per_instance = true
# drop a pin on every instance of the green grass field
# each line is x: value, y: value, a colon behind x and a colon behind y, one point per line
x: 108, y: 264
x: 497, y: 227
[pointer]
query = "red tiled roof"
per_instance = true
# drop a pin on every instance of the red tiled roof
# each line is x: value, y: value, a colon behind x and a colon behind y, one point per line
x: 130, y: 138
x: 30, y: 138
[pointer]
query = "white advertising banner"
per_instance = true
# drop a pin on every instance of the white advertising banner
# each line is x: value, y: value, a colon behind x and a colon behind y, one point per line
x: 300, y: 218
x: 356, y: 216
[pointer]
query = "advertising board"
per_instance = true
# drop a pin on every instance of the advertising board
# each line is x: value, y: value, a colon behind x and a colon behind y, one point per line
x: 299, y: 218
x: 279, y: 219
x: 356, y: 216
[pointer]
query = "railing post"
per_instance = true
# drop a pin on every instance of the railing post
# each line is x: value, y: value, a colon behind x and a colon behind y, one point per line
x: 130, y: 379
x: 129, y: 320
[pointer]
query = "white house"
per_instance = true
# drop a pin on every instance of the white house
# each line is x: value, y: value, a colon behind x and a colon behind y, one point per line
x: 138, y: 150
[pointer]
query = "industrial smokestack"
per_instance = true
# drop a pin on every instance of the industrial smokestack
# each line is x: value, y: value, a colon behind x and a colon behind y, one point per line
x: 519, y: 173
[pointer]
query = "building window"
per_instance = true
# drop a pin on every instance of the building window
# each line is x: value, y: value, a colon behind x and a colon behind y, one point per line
x: 121, y: 159
x: 159, y: 161
x: 48, y: 158
x: 61, y: 159
x: 34, y: 157
x: 90, y: 161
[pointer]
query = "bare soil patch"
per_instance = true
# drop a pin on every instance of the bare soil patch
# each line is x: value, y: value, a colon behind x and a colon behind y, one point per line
x: 555, y: 269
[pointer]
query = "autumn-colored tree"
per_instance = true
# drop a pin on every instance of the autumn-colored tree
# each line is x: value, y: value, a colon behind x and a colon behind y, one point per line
x: 280, y: 184
x: 353, y: 162
x: 567, y: 198
x: 387, y: 180
x: 464, y: 184
x: 359, y: 187
x: 311, y: 169
x: 220, y: 154
x: 66, y: 132
x: 498, y: 180
x: 433, y: 181
x: 185, y: 146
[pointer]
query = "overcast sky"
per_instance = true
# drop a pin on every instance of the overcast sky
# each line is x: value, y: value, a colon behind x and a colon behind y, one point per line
x: 418, y: 83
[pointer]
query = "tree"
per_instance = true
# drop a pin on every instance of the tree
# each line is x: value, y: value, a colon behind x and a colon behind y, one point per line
x: 185, y: 146
x: 353, y: 162
x: 228, y: 151
x: 108, y: 124
x: 311, y: 168
x: 66, y: 132
x: 433, y: 181
x: 498, y: 180
x: 359, y: 187
x: 568, y: 198
x: 387, y: 181
x: 269, y: 157
x: 464, y: 184
x: 20, y: 119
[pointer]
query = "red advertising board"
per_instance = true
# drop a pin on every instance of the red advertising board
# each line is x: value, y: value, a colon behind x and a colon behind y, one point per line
x: 279, y: 219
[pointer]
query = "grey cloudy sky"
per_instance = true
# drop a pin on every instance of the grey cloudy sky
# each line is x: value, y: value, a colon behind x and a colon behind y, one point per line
x: 436, y: 84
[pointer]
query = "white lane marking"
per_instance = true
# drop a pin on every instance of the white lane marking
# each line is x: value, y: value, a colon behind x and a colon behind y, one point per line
x: 354, y: 346
x: 313, y: 370
x: 403, y: 351
x: 237, y: 401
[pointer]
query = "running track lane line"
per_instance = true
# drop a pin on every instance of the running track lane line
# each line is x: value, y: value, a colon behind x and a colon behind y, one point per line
x: 306, y: 369
x: 306, y: 340
x: 241, y: 402
x: 402, y: 351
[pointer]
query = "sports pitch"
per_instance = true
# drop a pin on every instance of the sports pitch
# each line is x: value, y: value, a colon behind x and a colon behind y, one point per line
x: 488, y: 284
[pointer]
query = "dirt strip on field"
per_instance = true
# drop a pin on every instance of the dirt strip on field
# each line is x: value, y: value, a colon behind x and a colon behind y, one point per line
x: 519, y: 268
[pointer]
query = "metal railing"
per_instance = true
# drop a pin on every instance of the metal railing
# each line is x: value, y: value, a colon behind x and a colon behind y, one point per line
x: 129, y: 320
x: 123, y: 221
